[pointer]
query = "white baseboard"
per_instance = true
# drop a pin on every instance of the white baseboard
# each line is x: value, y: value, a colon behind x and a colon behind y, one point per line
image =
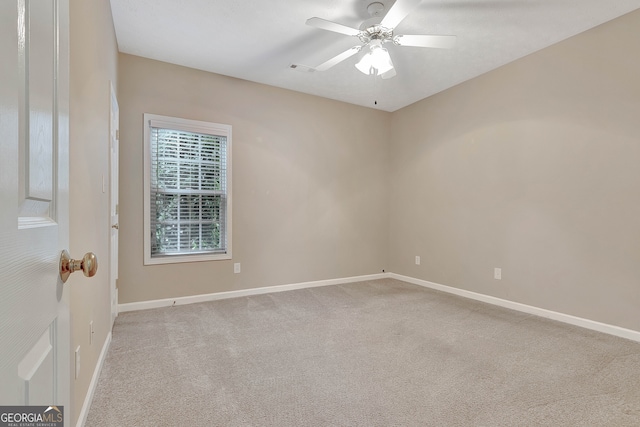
x: 561, y: 317
x: 94, y: 383
x: 145, y: 305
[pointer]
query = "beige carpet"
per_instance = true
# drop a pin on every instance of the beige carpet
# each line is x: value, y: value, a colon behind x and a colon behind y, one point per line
x: 378, y: 353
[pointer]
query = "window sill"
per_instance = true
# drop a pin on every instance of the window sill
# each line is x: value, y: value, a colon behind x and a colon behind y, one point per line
x: 178, y: 259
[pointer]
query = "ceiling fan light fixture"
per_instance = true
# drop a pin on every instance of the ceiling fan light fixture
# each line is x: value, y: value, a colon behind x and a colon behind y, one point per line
x: 364, y: 65
x: 375, y: 32
x: 375, y: 62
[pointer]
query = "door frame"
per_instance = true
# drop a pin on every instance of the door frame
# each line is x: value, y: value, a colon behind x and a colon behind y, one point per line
x: 114, y: 167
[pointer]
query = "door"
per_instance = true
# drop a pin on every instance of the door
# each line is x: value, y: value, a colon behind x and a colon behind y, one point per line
x: 114, y: 136
x: 34, y: 137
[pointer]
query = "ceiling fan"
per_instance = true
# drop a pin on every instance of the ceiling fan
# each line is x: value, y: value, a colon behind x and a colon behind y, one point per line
x: 374, y: 33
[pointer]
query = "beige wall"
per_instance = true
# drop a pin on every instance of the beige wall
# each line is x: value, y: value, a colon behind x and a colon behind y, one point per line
x: 534, y: 168
x: 310, y: 194
x: 93, y: 64
x: 531, y: 168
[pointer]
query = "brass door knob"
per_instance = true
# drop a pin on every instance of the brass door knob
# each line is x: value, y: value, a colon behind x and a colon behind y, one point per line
x: 88, y: 264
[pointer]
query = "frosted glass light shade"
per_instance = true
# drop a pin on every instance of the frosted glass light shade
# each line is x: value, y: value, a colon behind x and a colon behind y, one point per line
x: 376, y: 62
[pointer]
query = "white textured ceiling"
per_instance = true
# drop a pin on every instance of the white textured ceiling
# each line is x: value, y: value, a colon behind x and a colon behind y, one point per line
x: 258, y: 40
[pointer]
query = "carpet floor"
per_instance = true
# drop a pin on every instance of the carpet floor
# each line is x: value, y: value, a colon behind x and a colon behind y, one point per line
x: 376, y: 353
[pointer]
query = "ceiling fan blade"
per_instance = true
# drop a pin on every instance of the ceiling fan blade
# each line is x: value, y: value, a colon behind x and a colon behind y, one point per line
x: 303, y: 68
x: 338, y: 58
x: 399, y: 11
x: 441, y: 42
x: 323, y: 24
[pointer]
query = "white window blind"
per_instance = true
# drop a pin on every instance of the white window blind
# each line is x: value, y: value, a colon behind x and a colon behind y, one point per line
x: 188, y: 197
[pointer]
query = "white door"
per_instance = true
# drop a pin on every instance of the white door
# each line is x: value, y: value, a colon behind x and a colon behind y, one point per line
x: 34, y: 138
x: 114, y: 136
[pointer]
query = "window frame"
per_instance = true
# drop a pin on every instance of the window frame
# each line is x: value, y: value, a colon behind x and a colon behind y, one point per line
x: 185, y: 125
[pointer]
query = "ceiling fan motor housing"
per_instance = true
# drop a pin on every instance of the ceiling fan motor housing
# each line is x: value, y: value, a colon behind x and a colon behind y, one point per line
x: 371, y: 28
x: 375, y: 32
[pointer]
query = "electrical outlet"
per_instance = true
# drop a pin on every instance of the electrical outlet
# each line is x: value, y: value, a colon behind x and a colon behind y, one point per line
x: 417, y: 260
x: 497, y: 273
x: 236, y: 268
x: 91, y: 332
x: 77, y: 362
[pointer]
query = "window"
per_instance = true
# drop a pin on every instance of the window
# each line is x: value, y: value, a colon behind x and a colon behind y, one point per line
x: 187, y: 212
